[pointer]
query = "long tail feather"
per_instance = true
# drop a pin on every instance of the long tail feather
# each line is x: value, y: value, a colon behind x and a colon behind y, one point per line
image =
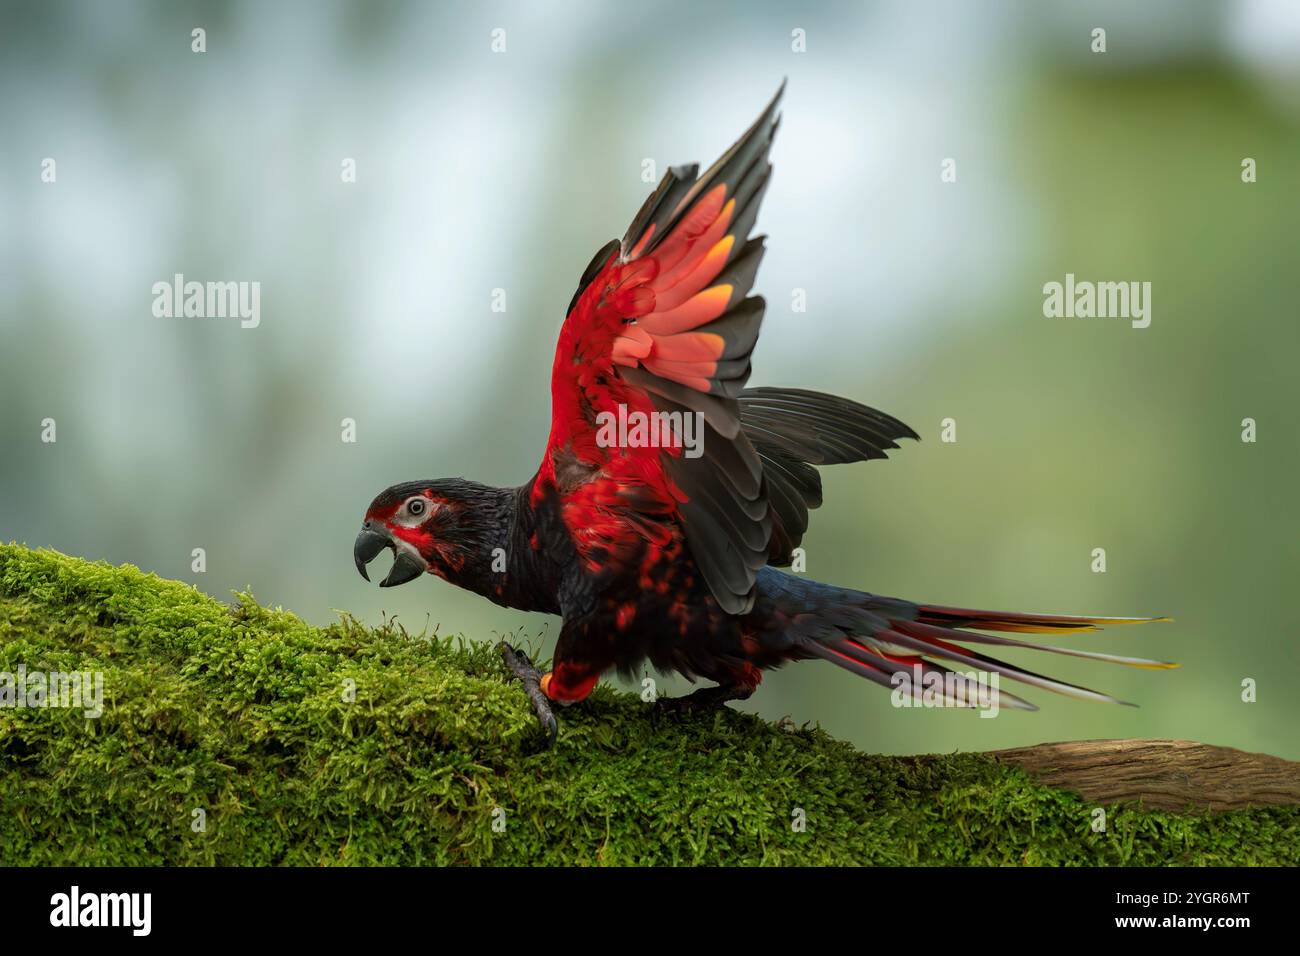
x: 876, y: 666
x: 918, y: 629
x: 1022, y: 623
x: 878, y: 637
x: 963, y: 655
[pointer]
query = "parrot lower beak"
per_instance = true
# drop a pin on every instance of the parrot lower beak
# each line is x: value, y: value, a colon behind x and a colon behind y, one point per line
x: 405, y: 568
x: 367, y: 547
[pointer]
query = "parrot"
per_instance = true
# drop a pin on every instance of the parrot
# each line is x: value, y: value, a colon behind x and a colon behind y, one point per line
x: 654, y: 548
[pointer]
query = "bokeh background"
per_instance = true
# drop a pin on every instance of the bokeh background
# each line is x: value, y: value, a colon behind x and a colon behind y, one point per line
x: 479, y: 170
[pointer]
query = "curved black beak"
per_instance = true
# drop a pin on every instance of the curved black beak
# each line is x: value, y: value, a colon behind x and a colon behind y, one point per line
x: 367, y: 547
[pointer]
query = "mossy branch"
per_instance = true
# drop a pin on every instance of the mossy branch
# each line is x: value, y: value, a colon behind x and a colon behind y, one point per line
x: 238, y: 734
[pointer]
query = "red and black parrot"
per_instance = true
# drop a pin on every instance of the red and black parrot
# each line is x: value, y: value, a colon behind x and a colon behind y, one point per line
x: 668, y: 552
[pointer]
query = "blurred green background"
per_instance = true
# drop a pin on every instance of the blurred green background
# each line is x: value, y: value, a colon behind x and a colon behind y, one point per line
x: 479, y: 170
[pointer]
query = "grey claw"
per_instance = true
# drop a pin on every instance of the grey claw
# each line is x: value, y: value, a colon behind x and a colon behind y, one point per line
x: 519, y: 664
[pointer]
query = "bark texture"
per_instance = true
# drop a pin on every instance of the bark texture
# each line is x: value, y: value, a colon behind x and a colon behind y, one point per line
x: 1161, y: 774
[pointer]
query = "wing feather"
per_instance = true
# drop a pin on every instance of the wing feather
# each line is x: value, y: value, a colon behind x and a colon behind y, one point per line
x: 663, y: 322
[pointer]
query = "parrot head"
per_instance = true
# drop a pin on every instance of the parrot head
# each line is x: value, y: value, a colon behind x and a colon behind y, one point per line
x: 430, y: 526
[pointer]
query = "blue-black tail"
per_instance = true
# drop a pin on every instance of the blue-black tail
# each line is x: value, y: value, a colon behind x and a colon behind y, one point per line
x: 880, y: 638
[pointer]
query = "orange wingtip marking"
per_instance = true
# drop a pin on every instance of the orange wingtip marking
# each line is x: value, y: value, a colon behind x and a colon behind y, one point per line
x: 702, y: 227
x: 694, y: 248
x: 673, y: 375
x: 718, y: 252
x: 689, y: 347
x: 699, y: 309
x: 719, y: 225
x: 701, y: 369
x: 672, y: 292
x: 706, y: 207
x: 700, y: 217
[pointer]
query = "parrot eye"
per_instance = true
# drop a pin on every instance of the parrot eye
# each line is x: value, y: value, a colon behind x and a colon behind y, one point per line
x: 415, y: 506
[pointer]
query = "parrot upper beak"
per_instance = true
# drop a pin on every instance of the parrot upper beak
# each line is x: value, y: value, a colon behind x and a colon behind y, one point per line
x: 367, y: 547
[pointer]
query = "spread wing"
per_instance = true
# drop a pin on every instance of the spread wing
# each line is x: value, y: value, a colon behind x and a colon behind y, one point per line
x: 794, y: 429
x: 662, y: 323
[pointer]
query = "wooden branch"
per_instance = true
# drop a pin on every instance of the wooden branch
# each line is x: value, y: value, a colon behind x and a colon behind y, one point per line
x: 1162, y: 774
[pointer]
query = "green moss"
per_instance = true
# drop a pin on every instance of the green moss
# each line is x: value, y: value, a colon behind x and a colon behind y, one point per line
x: 240, y: 711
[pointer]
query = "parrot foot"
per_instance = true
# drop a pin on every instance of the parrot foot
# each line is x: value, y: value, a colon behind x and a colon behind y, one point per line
x: 519, y: 664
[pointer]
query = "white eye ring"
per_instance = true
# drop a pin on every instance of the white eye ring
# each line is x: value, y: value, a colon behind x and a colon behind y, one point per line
x: 416, y: 506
